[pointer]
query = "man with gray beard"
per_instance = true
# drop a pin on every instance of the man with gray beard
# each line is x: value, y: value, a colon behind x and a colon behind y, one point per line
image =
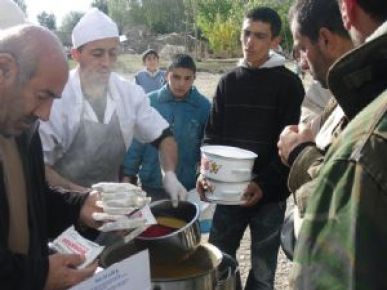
x: 92, y: 126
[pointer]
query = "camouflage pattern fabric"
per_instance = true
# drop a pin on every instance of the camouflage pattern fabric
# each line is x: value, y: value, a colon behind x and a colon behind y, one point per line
x: 343, y: 240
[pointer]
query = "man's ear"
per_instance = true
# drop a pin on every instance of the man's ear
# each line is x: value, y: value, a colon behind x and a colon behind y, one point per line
x: 326, y: 40
x: 168, y: 75
x: 275, y: 42
x: 8, y: 69
x: 75, y: 54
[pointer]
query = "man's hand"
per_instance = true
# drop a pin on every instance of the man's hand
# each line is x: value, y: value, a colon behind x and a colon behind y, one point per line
x: 88, y: 208
x: 290, y: 138
x: 62, y: 272
x: 175, y: 189
x: 252, y: 194
x: 130, y: 179
x: 203, y: 186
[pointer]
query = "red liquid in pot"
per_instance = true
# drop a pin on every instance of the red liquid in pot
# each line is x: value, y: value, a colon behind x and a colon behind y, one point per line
x: 155, y: 231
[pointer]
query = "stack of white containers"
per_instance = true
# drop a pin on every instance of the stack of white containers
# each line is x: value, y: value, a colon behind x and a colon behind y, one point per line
x: 228, y: 170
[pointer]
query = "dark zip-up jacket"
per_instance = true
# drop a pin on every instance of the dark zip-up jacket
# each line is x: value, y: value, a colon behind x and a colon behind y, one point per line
x: 49, y: 213
x: 250, y: 109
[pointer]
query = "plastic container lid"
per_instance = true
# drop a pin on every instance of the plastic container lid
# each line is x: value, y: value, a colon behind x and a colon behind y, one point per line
x: 228, y: 152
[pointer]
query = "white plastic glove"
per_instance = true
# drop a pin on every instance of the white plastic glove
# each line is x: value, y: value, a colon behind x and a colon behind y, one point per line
x: 174, y: 188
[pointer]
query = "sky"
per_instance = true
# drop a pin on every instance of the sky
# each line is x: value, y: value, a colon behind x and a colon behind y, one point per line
x: 58, y: 8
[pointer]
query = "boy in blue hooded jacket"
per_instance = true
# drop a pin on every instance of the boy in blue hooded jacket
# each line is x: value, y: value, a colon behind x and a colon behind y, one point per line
x: 187, y: 111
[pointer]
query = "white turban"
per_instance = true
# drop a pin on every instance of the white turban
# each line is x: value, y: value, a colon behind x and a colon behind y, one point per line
x: 10, y: 14
x: 94, y: 25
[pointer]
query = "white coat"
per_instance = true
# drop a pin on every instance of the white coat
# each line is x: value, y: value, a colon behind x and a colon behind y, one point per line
x: 136, y: 117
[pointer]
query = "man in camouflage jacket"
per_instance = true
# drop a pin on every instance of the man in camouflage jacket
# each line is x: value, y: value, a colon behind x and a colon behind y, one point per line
x: 343, y: 240
x: 320, y: 37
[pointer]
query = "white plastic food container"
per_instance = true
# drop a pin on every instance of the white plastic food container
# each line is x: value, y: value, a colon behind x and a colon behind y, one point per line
x: 227, y: 191
x: 226, y: 163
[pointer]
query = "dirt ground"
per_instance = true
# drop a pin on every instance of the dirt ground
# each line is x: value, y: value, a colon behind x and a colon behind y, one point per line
x: 206, y: 83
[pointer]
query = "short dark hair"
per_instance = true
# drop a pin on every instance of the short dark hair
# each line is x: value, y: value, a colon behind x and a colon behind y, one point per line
x: 312, y: 15
x: 267, y: 15
x: 13, y: 41
x: 376, y: 8
x: 182, y: 60
x: 148, y: 52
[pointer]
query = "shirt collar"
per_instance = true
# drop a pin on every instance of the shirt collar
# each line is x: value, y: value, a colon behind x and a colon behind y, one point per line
x: 152, y: 74
x: 359, y: 76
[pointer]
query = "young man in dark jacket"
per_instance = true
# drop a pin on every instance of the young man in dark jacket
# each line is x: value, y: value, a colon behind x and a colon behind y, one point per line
x: 252, y: 104
x: 33, y: 71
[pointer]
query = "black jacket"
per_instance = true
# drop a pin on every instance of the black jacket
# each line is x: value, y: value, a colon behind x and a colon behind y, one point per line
x: 250, y: 109
x: 49, y: 213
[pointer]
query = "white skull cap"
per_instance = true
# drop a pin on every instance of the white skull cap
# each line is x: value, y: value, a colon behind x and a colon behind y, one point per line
x: 10, y: 14
x: 94, y: 25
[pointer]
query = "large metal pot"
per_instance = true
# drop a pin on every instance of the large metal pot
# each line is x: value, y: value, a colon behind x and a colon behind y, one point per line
x: 206, y: 269
x: 199, y: 271
x: 228, y: 274
x: 116, y: 253
x: 179, y: 244
x: 227, y: 163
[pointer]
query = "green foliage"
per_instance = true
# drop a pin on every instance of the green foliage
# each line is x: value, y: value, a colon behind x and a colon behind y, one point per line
x: 136, y: 13
x: 210, y: 10
x: 101, y: 5
x: 161, y: 16
x: 220, y: 22
x: 68, y: 23
x: 118, y: 11
x: 223, y: 37
x: 47, y: 20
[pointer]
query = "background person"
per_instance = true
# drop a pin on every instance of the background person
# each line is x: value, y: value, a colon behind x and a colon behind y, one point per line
x: 186, y: 111
x: 91, y: 127
x: 151, y: 77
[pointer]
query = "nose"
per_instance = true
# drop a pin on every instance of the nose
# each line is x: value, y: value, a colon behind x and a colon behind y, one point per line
x: 107, y: 60
x: 180, y: 83
x: 249, y: 40
x: 304, y: 62
x: 44, y: 109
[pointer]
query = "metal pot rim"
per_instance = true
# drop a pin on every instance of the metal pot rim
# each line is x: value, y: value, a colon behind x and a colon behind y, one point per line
x: 211, y: 248
x: 194, y: 219
x: 188, y: 277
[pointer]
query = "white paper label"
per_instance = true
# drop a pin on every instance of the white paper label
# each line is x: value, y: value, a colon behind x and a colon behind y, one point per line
x: 132, y: 273
x: 71, y: 242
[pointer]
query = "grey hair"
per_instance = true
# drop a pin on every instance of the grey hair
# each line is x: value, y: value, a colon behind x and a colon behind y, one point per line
x: 22, y: 42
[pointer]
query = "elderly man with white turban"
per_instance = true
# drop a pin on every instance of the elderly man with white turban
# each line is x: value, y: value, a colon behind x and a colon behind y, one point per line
x: 92, y: 125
